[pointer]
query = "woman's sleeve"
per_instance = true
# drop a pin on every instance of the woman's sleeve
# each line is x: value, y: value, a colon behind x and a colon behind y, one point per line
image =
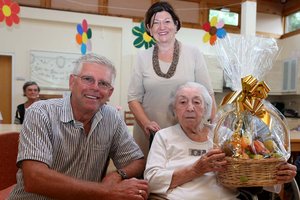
x: 17, y: 117
x: 158, y: 176
x: 136, y: 88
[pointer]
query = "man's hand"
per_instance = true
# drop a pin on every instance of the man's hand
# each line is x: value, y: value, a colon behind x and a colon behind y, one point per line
x: 131, y: 189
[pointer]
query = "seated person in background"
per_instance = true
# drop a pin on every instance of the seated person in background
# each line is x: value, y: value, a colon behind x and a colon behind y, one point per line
x: 182, y: 162
x: 31, y: 90
x: 65, y: 143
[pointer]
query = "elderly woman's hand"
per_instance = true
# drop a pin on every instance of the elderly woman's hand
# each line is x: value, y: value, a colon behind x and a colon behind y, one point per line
x: 213, y: 160
x: 286, y: 173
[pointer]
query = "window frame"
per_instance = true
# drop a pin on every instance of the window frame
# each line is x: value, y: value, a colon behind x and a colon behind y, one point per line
x: 230, y: 28
x: 292, y: 33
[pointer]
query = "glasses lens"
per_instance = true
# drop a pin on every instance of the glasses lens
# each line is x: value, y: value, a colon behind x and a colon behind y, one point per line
x: 87, y: 80
x: 104, y: 84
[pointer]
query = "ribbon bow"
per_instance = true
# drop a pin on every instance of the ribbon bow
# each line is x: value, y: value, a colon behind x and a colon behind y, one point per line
x: 250, y: 98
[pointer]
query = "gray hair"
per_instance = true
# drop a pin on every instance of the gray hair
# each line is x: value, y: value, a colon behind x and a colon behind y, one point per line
x: 203, y: 92
x: 94, y: 58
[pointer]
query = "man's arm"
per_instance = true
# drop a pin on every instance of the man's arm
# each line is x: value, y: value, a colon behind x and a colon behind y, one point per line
x: 134, y: 169
x: 39, y: 179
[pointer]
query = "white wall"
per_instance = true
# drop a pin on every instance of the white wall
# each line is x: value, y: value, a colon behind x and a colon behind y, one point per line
x: 290, y: 47
x: 268, y: 23
x: 50, y: 30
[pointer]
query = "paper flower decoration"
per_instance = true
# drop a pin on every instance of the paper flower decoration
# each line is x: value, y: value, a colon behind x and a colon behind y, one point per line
x: 9, y: 11
x: 143, y: 39
x: 214, y: 30
x: 83, y: 36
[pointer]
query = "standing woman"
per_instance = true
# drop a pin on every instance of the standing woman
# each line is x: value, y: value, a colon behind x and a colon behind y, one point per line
x: 31, y: 90
x: 159, y: 70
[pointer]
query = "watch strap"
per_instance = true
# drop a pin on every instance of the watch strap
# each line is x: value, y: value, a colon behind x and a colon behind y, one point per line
x: 122, y: 174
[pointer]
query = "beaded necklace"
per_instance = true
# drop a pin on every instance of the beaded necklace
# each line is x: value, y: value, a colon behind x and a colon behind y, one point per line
x: 172, y: 68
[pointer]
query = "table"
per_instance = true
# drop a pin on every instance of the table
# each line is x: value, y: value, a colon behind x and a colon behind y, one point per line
x: 295, y: 141
x: 4, y: 128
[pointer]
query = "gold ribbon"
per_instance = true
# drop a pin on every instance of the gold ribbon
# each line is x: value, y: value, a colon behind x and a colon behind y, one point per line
x: 250, y: 98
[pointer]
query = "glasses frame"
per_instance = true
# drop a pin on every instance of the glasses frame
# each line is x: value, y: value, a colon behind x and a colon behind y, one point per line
x: 89, y: 80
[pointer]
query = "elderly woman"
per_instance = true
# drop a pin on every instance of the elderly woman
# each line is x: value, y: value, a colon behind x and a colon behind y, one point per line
x: 182, y: 161
x: 31, y: 91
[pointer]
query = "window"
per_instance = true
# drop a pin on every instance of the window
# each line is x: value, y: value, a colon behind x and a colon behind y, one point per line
x: 229, y: 18
x: 292, y: 22
x: 289, y: 75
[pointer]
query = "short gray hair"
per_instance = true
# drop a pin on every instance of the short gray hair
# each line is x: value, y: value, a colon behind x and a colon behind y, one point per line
x: 94, y: 58
x: 203, y: 92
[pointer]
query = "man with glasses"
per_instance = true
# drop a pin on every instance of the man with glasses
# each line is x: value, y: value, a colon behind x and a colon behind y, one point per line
x: 65, y: 143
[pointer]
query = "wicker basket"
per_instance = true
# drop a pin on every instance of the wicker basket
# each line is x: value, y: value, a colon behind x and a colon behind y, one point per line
x: 250, y: 172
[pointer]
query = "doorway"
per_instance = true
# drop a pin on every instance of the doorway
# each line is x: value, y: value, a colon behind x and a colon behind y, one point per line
x: 6, y: 88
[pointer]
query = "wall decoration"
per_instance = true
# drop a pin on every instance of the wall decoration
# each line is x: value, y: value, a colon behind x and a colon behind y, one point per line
x: 143, y: 39
x: 51, y: 70
x: 9, y: 11
x: 83, y: 36
x: 214, y: 29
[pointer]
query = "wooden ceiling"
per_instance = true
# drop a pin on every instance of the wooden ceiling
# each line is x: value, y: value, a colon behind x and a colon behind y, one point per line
x: 193, y: 13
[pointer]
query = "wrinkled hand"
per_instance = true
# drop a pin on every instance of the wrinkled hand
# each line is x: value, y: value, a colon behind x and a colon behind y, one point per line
x: 286, y: 172
x: 129, y: 189
x: 153, y: 126
x: 212, y: 161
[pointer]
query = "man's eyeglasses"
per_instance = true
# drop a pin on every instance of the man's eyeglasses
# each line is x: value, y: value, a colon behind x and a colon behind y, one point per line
x: 89, y: 80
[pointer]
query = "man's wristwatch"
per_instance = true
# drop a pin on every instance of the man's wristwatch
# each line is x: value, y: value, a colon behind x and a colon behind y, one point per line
x: 122, y: 174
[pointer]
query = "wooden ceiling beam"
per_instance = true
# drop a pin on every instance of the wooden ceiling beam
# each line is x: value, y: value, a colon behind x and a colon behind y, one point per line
x: 203, y: 13
x: 103, y: 7
x: 290, y: 7
x: 46, y: 3
x: 269, y: 7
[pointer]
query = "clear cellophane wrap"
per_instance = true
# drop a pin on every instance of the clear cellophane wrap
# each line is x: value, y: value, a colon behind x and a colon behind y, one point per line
x: 249, y: 128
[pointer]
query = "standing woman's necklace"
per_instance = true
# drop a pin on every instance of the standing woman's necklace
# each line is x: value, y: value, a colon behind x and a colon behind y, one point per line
x: 174, y: 63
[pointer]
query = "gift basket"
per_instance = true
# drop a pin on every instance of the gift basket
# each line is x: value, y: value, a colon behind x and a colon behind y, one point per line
x: 250, y: 130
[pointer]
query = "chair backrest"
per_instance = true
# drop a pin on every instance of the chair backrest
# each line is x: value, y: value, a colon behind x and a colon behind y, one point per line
x: 8, y: 155
x: 129, y: 118
x: 295, y: 188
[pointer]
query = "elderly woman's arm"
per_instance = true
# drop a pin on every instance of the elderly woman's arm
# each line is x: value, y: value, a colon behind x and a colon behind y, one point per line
x: 161, y: 178
x: 209, y: 162
x: 156, y: 172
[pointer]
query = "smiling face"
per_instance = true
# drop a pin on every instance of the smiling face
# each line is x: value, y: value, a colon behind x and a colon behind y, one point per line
x: 189, y: 107
x: 163, y: 27
x: 87, y: 97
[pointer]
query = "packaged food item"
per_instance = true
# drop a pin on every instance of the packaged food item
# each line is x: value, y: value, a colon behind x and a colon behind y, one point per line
x: 256, y: 139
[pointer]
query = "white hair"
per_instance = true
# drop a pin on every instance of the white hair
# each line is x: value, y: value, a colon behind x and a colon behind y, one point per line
x: 203, y: 92
x: 94, y: 58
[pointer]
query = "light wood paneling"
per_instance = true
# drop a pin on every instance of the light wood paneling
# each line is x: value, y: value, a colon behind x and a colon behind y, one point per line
x: 5, y: 88
x: 193, y: 13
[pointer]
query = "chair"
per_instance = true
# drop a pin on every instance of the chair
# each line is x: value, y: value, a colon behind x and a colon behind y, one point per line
x: 129, y: 118
x: 295, y: 189
x: 8, y: 156
x: 291, y: 191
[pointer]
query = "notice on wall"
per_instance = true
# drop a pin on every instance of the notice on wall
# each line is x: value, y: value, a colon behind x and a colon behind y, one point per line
x: 51, y: 70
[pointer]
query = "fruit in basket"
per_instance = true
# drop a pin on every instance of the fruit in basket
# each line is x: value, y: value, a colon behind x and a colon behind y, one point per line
x: 270, y: 145
x: 258, y: 156
x: 276, y: 155
x: 260, y: 148
x: 245, y: 142
x: 245, y: 155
